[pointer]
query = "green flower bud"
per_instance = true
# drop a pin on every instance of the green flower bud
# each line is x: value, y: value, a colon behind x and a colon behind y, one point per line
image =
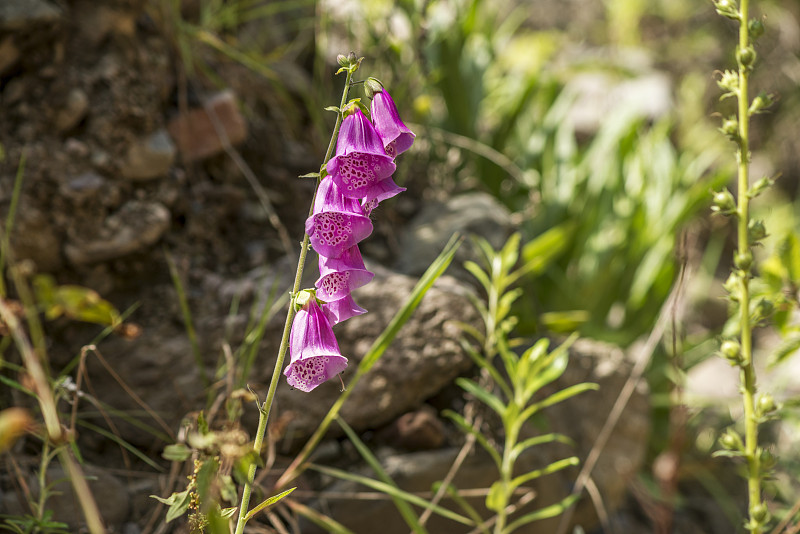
x: 729, y: 82
x: 743, y: 260
x: 724, y: 202
x: 756, y: 231
x: 746, y: 57
x: 731, y: 440
x: 727, y: 8
x: 765, y: 404
x: 731, y: 351
x: 733, y: 286
x: 761, y: 103
x: 755, y: 28
x: 730, y: 127
x: 764, y: 309
x: 342, y: 60
x: 759, y: 513
x: 760, y: 186
x: 767, y: 460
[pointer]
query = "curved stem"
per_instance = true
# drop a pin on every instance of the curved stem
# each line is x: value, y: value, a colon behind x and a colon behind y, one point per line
x: 264, y: 409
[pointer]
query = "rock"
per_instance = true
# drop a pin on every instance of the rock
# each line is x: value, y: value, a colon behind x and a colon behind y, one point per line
x: 149, y: 158
x: 18, y: 15
x: 580, y: 418
x: 133, y: 228
x: 83, y: 187
x: 429, y: 231
x: 599, y: 95
x: 424, y: 357
x: 9, y: 53
x: 194, y: 131
x: 415, y: 431
x: 74, y: 110
x: 34, y: 238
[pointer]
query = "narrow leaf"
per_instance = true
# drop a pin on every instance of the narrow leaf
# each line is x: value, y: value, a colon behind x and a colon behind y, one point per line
x: 467, y: 428
x: 545, y: 513
x: 272, y: 500
x: 409, y: 516
x: 392, y: 490
x: 482, y: 395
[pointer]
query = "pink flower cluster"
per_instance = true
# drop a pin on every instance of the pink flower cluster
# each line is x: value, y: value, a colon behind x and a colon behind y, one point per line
x: 359, y: 178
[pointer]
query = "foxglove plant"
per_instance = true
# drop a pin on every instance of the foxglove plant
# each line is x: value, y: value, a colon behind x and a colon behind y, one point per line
x: 349, y: 186
x: 739, y: 352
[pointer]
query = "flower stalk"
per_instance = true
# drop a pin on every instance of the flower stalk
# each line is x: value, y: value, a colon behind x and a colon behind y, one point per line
x: 265, y: 407
x: 740, y: 352
x: 745, y: 57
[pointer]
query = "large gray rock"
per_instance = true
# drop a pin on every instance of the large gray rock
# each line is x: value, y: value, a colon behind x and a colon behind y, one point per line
x: 472, y: 213
x: 133, y: 228
x: 580, y: 418
x: 424, y: 357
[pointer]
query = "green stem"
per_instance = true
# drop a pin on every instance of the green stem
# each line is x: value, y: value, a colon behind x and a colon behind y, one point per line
x: 748, y: 375
x: 264, y: 409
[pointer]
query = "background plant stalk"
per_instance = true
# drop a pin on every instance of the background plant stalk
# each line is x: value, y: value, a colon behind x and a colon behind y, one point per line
x: 748, y: 376
x: 264, y: 409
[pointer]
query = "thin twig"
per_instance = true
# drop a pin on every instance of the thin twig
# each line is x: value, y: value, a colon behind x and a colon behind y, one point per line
x: 599, y: 506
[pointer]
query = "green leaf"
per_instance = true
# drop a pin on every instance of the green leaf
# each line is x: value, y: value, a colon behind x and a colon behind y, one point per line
x: 552, y: 468
x: 509, y: 254
x: 491, y: 369
x: 178, y: 504
x: 177, y: 452
x: 522, y: 446
x: 310, y: 175
x: 540, y: 252
x: 557, y: 397
x: 335, y: 109
x: 482, y: 395
x: 479, y: 274
x: 435, y: 270
x: 547, y: 512
x: 392, y: 491
x: 205, y: 479
x: 497, y: 498
x: 323, y: 521
x: 269, y: 502
x: 409, y: 516
x: 788, y: 346
x: 452, y: 491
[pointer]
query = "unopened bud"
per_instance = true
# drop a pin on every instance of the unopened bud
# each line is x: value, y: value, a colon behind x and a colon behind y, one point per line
x: 759, y: 513
x: 730, y: 127
x: 743, y: 260
x: 761, y: 103
x: 765, y: 404
x: 724, y: 202
x: 731, y: 350
x: 342, y: 60
x: 756, y: 230
x: 746, y: 56
x: 767, y: 460
x: 764, y: 309
x: 731, y: 440
x: 727, y: 8
x: 760, y: 186
x: 733, y: 287
x: 755, y: 28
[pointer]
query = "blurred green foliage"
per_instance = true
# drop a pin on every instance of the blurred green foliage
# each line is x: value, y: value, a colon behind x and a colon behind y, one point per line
x: 499, y: 90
